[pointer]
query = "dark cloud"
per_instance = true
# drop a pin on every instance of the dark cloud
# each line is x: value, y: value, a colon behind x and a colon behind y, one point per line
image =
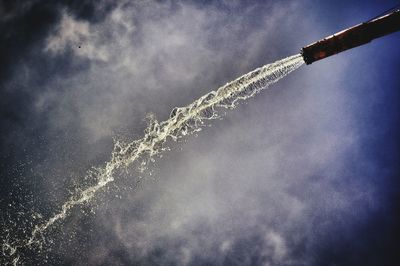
x: 26, y: 69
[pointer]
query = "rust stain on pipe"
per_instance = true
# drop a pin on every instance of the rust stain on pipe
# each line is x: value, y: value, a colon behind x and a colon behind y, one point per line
x: 352, y: 37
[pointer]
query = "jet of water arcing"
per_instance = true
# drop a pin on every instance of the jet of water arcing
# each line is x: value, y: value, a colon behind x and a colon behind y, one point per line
x: 182, y: 121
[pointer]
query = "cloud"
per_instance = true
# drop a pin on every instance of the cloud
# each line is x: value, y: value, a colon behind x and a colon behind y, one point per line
x: 265, y: 186
x: 78, y: 36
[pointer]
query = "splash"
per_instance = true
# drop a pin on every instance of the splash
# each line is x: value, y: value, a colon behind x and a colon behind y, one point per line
x: 183, y: 121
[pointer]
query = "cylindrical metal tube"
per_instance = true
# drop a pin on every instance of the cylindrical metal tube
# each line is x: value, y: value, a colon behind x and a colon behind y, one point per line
x: 355, y: 36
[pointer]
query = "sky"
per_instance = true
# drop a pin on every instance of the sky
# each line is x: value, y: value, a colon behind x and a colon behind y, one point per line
x: 305, y: 173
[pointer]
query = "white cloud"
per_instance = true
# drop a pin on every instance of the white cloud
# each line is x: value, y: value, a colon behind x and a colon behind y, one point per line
x: 78, y: 36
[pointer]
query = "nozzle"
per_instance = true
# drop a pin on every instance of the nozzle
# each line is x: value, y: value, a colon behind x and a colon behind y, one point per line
x: 352, y: 37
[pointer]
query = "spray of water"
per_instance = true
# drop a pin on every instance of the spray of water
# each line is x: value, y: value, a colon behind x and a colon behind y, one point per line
x: 182, y: 121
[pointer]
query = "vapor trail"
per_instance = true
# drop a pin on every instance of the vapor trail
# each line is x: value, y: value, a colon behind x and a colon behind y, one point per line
x: 182, y: 121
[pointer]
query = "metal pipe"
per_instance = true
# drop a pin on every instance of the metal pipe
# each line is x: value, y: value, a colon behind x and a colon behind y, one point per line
x: 352, y: 37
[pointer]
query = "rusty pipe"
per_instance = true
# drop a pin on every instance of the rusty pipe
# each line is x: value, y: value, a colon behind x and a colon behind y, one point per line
x: 352, y: 37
